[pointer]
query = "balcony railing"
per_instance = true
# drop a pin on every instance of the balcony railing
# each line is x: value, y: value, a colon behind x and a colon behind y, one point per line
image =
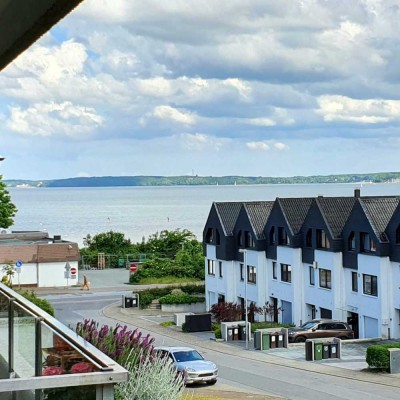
x: 40, y: 358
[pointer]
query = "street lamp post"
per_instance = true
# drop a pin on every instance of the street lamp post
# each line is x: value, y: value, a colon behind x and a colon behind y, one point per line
x: 244, y: 252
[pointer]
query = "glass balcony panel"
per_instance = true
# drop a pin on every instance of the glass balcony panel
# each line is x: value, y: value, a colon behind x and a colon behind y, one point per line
x: 69, y: 393
x: 59, y: 357
x: 24, y: 342
x: 4, y: 337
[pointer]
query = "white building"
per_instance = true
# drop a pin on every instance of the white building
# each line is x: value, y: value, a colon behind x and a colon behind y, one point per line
x: 43, y: 261
x: 323, y: 257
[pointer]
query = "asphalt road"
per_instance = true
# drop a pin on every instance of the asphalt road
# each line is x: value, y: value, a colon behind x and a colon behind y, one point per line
x: 242, y: 373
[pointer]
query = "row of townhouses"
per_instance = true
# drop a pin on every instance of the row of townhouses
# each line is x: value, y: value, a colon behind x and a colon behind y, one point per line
x: 322, y: 257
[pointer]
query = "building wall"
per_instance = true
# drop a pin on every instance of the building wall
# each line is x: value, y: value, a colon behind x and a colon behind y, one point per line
x: 53, y: 274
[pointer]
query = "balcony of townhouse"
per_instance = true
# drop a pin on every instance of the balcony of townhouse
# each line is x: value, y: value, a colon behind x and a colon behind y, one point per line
x: 42, y: 358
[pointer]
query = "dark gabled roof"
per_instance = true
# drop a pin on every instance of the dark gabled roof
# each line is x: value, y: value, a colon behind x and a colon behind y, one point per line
x: 258, y: 213
x: 228, y: 213
x: 379, y: 211
x: 295, y: 211
x: 335, y: 211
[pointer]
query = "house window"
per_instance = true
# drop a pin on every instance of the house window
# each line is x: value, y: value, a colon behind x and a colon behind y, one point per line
x: 367, y: 244
x: 221, y: 298
x: 325, y: 279
x: 241, y: 266
x: 272, y: 235
x: 354, y: 282
x: 274, y: 271
x: 249, y: 240
x: 211, y: 267
x: 251, y: 274
x: 286, y: 273
x: 283, y: 237
x: 309, y: 238
x: 209, y: 236
x: 322, y: 240
x: 312, y: 275
x: 370, y: 285
x: 220, y: 269
x: 398, y: 235
x: 351, y: 241
x: 240, y: 239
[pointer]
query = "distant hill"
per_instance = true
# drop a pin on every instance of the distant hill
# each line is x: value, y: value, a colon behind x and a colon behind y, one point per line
x: 108, y: 181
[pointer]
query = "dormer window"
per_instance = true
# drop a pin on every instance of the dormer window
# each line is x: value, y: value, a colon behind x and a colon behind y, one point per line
x: 272, y: 238
x: 283, y: 236
x: 309, y: 238
x: 322, y: 240
x: 351, y: 241
x: 367, y: 244
x: 249, y: 240
x: 209, y: 236
x: 240, y: 239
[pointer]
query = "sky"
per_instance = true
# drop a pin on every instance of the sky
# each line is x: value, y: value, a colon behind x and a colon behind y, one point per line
x: 189, y: 87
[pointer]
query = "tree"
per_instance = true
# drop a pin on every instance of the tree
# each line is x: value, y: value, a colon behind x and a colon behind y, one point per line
x: 7, y: 208
x: 109, y: 243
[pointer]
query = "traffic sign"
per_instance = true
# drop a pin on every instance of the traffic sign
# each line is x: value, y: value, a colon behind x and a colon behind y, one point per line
x: 133, y: 268
x: 73, y: 271
x: 18, y: 264
x: 67, y: 266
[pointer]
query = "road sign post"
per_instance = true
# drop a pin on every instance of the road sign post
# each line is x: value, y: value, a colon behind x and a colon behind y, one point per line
x: 67, y: 272
x: 18, y: 269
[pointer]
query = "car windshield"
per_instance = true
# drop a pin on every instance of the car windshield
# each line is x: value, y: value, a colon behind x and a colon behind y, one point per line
x: 189, y: 355
x: 309, y: 325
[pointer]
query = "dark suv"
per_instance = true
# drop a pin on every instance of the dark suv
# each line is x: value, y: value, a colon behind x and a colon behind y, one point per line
x: 321, y: 328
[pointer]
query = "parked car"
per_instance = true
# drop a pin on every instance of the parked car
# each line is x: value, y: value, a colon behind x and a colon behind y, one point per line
x: 320, y: 328
x: 191, y: 364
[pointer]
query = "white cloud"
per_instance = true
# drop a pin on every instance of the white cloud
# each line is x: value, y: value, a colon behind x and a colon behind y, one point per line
x: 369, y: 111
x: 258, y: 146
x: 200, y: 142
x: 172, y: 114
x: 281, y: 146
x: 53, y: 119
x: 261, y: 121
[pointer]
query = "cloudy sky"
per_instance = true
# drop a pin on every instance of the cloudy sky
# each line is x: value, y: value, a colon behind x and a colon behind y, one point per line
x: 262, y: 88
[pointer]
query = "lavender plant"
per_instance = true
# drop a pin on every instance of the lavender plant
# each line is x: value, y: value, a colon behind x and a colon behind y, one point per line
x: 119, y: 343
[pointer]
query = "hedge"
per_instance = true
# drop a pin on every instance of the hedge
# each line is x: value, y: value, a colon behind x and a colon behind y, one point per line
x: 180, y: 298
x: 41, y: 303
x: 378, y: 356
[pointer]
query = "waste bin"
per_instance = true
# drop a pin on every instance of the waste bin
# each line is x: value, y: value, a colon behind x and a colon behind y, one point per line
x: 135, y: 301
x: 265, y: 341
x: 242, y: 332
x: 309, y: 350
x: 333, y: 350
x: 317, y: 351
x: 326, y: 347
x: 273, y: 340
x: 257, y: 340
x: 229, y: 333
x: 127, y: 302
x: 235, y: 333
x: 280, y: 340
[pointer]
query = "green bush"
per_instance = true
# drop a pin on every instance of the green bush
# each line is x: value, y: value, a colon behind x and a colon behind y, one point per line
x: 180, y: 298
x: 378, y: 356
x: 148, y: 295
x: 41, y: 303
x: 263, y: 325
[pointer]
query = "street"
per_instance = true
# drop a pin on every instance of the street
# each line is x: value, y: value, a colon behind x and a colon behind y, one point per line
x: 234, y: 371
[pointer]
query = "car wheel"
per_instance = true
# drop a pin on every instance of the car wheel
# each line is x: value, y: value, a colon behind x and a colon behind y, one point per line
x: 213, y: 382
x: 300, y: 339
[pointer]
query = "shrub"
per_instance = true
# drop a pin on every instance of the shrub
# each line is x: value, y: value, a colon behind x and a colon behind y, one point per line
x: 41, y: 303
x: 152, y: 378
x: 182, y: 298
x: 378, y: 356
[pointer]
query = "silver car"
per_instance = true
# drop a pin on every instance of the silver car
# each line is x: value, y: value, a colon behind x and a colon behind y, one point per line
x: 191, y: 364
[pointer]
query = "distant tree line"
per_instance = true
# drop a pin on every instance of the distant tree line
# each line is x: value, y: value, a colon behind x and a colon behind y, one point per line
x: 111, y: 181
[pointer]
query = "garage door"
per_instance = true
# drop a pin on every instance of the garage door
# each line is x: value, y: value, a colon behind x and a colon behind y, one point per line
x: 286, y: 312
x: 371, y: 328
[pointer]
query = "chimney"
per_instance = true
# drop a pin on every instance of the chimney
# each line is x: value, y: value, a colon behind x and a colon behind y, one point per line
x: 357, y: 193
x: 57, y: 238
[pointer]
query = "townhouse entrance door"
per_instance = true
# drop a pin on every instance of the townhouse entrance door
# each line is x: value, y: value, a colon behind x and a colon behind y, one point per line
x: 352, y: 320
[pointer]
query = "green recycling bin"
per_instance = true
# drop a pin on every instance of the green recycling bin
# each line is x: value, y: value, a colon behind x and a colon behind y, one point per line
x: 265, y: 341
x: 318, y: 351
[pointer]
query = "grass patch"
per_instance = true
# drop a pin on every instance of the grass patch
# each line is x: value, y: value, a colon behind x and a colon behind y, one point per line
x: 166, y: 324
x: 265, y: 325
x: 166, y: 279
